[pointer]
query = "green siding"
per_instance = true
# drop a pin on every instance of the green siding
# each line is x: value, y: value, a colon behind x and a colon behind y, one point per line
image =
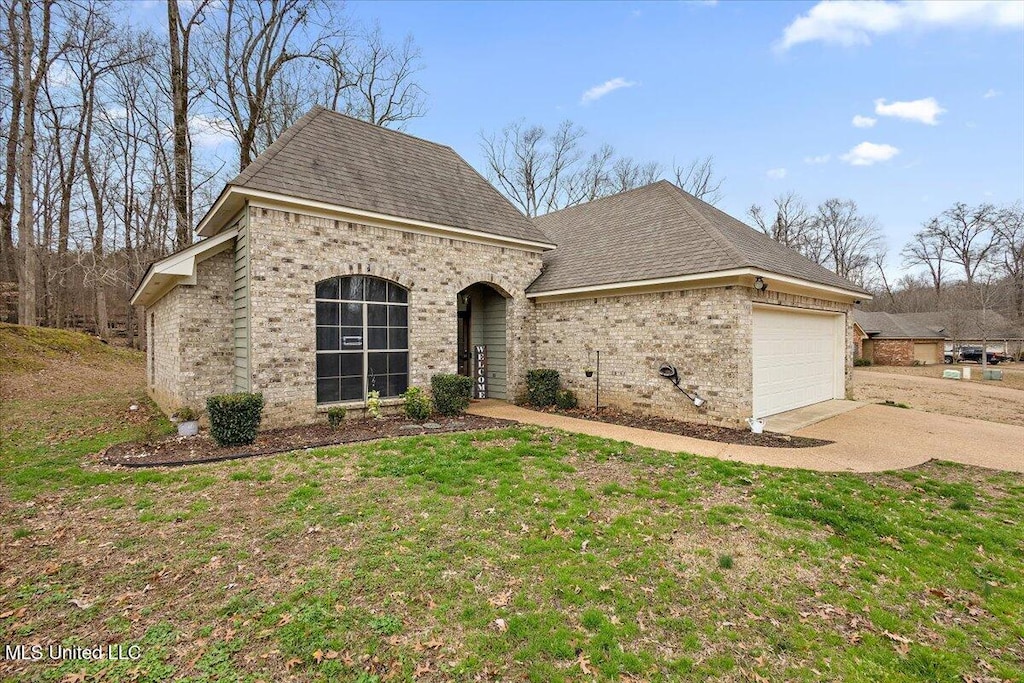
x: 243, y: 376
x: 488, y: 325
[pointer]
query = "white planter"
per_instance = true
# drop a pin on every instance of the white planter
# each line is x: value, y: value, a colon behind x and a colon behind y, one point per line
x: 756, y: 426
x: 190, y: 428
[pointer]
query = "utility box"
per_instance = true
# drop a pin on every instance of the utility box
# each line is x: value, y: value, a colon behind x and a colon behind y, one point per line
x: 950, y: 374
x: 992, y: 374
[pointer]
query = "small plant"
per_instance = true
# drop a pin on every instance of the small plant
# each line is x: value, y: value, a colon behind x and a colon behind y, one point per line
x: 451, y: 393
x: 386, y: 625
x: 960, y: 504
x: 862, y: 362
x: 335, y: 416
x: 417, y: 404
x: 186, y: 414
x: 725, y: 561
x: 234, y: 418
x: 373, y: 404
x: 542, y: 387
x: 589, y: 372
x: 566, y: 399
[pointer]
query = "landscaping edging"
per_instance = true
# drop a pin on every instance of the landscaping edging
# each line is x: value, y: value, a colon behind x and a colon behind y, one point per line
x: 161, y: 453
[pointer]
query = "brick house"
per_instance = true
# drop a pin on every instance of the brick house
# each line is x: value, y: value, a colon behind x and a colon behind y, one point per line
x: 349, y: 258
x: 893, y: 339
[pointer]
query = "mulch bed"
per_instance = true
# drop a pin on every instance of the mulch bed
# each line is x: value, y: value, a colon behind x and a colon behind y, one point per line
x: 693, y: 429
x: 176, y: 450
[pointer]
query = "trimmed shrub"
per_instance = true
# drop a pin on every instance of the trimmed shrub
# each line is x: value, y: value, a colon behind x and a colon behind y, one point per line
x: 417, y: 404
x: 234, y: 418
x: 862, y: 362
x: 566, y: 399
x: 451, y: 393
x: 542, y: 387
x: 373, y: 404
x: 335, y: 416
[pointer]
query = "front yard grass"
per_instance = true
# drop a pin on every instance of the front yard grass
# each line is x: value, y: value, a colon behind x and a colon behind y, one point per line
x: 500, y: 555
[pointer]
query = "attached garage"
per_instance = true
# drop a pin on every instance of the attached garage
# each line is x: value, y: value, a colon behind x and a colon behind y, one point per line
x: 798, y: 358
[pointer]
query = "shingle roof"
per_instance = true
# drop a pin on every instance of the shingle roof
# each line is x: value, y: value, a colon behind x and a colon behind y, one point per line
x: 879, y: 325
x: 659, y: 231
x: 329, y: 157
x: 968, y: 324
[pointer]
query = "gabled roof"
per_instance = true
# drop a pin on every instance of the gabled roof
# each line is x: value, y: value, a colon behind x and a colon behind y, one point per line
x: 879, y: 325
x: 335, y: 159
x: 968, y: 324
x: 659, y: 231
x: 178, y: 268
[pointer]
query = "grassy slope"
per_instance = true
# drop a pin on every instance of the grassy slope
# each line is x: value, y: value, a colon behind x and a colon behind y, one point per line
x: 397, y: 558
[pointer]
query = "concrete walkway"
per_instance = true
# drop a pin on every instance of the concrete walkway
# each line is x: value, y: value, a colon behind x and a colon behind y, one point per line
x: 871, y: 438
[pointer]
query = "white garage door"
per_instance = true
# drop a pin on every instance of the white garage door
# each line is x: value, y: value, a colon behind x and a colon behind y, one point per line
x: 798, y: 359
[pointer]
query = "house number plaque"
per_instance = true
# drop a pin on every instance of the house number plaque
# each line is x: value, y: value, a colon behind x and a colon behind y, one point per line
x: 480, y: 371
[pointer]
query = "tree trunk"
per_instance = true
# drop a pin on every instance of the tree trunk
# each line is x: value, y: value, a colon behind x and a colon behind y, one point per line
x: 179, y: 101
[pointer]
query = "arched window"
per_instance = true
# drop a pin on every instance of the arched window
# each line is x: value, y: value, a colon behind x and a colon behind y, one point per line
x: 362, y: 338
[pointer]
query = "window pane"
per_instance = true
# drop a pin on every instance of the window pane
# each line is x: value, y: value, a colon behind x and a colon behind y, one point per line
x: 351, y: 338
x: 397, y: 384
x: 328, y: 365
x: 351, y: 365
x: 398, y: 316
x: 377, y: 338
x: 398, y: 362
x: 377, y: 383
x: 376, y: 289
x: 327, y: 339
x: 376, y: 315
x: 352, y: 288
x: 397, y: 294
x: 327, y: 390
x: 326, y: 313
x: 352, y: 314
x: 327, y: 289
x: 377, y: 364
x: 398, y: 338
x: 352, y: 389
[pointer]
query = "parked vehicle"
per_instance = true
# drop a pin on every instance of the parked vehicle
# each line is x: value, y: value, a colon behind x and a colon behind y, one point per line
x: 972, y: 354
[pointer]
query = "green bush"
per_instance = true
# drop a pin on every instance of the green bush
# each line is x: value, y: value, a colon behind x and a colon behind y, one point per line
x: 542, y: 387
x: 862, y: 362
x: 234, y: 418
x: 335, y: 416
x: 186, y: 414
x: 566, y: 399
x: 451, y: 393
x: 417, y: 404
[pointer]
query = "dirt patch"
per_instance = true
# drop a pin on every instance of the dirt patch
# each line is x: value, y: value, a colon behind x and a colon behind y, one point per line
x: 202, y: 448
x: 1013, y: 373
x: 692, y: 429
x: 992, y: 401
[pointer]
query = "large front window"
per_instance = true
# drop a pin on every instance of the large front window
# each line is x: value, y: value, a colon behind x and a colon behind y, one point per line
x: 362, y: 338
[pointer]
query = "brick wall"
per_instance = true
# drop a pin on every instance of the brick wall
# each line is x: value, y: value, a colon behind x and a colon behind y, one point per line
x: 291, y: 252
x: 705, y: 333
x: 901, y: 351
x: 192, y: 356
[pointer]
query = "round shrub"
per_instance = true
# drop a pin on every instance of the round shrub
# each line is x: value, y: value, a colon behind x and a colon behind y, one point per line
x: 451, y: 393
x: 417, y: 404
x: 542, y: 387
x: 234, y: 418
x: 335, y: 416
x: 566, y: 399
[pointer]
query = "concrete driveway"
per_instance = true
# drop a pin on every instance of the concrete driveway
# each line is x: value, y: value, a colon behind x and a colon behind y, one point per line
x: 871, y: 438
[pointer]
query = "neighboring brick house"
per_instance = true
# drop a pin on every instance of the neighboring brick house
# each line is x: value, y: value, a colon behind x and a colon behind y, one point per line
x: 349, y: 258
x: 892, y: 339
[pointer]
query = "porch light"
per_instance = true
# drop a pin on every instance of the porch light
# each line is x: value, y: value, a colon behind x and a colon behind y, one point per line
x: 760, y: 285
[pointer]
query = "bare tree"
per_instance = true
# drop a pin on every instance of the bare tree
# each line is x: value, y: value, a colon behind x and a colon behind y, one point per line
x: 699, y: 179
x: 1009, y: 230
x: 849, y: 238
x: 792, y: 224
x: 969, y: 236
x: 928, y: 248
x: 380, y: 86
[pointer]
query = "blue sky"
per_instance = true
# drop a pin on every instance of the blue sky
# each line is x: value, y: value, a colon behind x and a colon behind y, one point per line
x: 769, y: 89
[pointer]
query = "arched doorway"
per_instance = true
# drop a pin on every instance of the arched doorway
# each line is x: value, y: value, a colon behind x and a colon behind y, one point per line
x: 482, y: 352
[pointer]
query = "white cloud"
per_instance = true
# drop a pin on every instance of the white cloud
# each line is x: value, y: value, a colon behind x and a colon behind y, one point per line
x: 850, y: 22
x: 776, y: 173
x: 992, y: 92
x: 820, y: 159
x: 599, y: 91
x: 863, y: 121
x: 869, y: 153
x: 209, y: 131
x: 925, y: 110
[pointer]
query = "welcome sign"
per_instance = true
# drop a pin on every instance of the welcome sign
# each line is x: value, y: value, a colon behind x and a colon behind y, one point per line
x: 480, y: 370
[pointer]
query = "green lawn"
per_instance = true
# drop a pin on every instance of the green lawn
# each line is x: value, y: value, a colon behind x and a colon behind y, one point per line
x: 497, y: 556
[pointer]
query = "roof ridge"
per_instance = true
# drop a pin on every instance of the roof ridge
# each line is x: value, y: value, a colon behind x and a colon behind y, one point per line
x: 334, y: 112
x: 261, y: 161
x: 597, y: 200
x: 706, y: 225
